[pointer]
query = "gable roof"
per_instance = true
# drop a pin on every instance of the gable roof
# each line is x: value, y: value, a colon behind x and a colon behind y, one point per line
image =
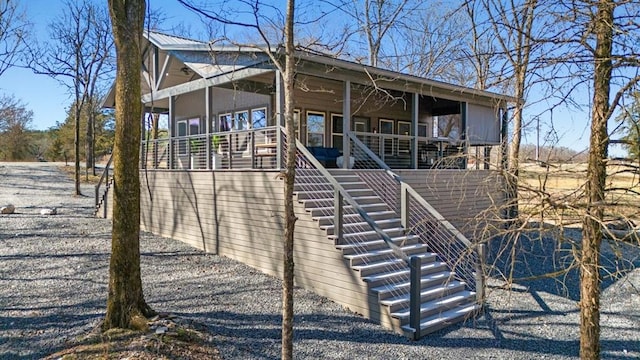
x: 209, y: 60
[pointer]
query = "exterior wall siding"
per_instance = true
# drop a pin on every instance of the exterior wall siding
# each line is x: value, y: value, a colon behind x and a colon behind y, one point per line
x: 470, y: 200
x: 240, y: 215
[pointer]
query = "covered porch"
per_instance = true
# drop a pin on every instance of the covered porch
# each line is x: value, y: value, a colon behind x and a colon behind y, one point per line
x: 234, y: 123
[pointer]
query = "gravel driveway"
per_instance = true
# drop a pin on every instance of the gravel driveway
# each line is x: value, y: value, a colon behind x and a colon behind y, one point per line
x: 53, y: 287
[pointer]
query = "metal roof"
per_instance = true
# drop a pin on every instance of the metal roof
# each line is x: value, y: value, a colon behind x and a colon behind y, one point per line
x: 191, y: 53
x: 169, y: 42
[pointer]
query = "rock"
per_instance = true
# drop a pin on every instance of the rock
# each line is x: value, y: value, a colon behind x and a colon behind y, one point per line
x: 161, y: 330
x: 52, y: 211
x: 9, y: 209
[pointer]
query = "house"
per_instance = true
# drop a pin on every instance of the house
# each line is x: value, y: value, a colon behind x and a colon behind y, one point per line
x: 390, y: 167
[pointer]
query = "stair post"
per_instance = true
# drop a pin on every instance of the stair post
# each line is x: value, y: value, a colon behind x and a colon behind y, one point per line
x: 415, y: 264
x: 480, y: 274
x: 337, y: 216
x: 404, y: 206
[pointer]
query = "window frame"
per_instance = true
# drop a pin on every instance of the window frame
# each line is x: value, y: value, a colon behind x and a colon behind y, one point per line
x: 324, y: 126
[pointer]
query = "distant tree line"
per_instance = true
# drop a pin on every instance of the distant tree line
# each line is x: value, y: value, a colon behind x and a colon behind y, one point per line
x: 552, y: 154
x: 20, y: 142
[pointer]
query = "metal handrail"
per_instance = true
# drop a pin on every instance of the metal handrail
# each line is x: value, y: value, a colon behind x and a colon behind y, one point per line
x: 411, y: 191
x: 349, y: 199
x: 103, y: 178
x: 409, y: 195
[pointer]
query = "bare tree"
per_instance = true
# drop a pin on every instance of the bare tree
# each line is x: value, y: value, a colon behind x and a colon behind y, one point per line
x: 513, y: 30
x: 374, y: 21
x: 14, y: 27
x: 285, y: 63
x: 77, y: 57
x: 126, y: 307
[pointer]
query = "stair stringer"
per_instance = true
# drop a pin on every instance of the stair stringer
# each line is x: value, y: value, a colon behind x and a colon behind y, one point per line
x: 370, y: 302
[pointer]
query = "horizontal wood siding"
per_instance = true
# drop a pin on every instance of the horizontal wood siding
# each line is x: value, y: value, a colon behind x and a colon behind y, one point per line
x: 240, y: 215
x: 468, y: 199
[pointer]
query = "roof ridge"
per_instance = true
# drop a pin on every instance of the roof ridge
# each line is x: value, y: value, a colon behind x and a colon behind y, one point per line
x: 150, y: 31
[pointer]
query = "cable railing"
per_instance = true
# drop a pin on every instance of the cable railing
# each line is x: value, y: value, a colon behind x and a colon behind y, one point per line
x: 105, y: 178
x: 346, y: 218
x: 237, y: 149
x: 420, y: 218
x: 409, y: 152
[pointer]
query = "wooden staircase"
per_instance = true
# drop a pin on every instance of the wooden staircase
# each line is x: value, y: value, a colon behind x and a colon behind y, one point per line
x: 445, y: 300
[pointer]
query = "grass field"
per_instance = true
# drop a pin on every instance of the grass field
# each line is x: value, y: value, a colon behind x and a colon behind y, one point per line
x: 558, y: 190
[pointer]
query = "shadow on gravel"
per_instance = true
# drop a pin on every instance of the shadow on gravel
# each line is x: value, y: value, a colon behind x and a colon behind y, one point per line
x: 548, y: 264
x: 41, y: 331
x: 258, y: 336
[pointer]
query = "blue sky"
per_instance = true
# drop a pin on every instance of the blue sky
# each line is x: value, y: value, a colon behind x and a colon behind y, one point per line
x: 45, y: 96
x: 48, y: 99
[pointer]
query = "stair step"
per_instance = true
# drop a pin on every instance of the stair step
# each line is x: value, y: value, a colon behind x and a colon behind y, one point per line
x: 402, y: 301
x: 387, y: 265
x: 344, y: 176
x: 353, y: 218
x: 403, y: 274
x: 329, y: 194
x: 440, y: 305
x: 328, y: 210
x: 357, y: 259
x: 442, y: 320
x: 324, y: 202
x: 363, y: 225
x: 429, y: 280
x: 367, y: 246
x: 323, y: 185
x: 367, y: 235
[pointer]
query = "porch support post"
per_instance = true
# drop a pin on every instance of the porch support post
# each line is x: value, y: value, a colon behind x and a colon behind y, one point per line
x: 463, y: 134
x: 346, y: 124
x: 487, y: 158
x: 207, y: 122
x: 415, y: 115
x: 279, y: 117
x: 504, y: 137
x: 143, y: 140
x: 172, y: 124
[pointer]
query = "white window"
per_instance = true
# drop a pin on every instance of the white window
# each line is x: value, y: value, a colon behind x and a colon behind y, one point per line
x: 386, y: 127
x: 242, y: 120
x: 225, y: 122
x: 336, y: 130
x: 315, y: 128
x: 259, y: 118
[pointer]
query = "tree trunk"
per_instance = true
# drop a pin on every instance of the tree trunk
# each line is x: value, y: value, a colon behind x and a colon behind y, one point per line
x: 126, y: 307
x: 595, y: 186
x: 91, y: 164
x: 76, y: 144
x: 290, y: 172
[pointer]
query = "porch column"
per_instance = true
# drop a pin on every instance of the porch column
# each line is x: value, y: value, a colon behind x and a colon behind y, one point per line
x: 504, y: 138
x: 415, y: 115
x: 172, y: 122
x: 279, y: 117
x: 463, y: 132
x: 143, y: 138
x: 207, y: 123
x: 346, y: 123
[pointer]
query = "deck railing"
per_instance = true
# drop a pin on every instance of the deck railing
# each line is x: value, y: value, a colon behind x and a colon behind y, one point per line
x: 238, y: 149
x: 410, y: 152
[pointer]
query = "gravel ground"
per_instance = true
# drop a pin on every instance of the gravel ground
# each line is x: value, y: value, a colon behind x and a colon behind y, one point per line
x: 54, y: 274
